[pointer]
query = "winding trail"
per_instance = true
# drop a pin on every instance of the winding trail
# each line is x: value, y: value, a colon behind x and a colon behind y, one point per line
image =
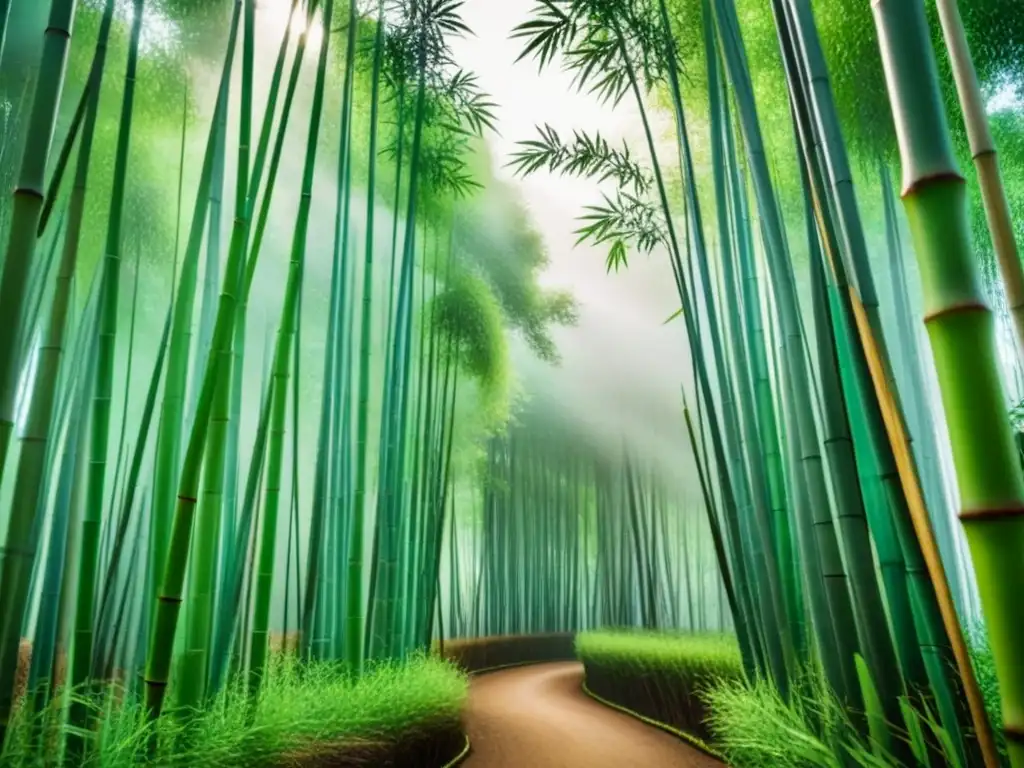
x: 539, y: 717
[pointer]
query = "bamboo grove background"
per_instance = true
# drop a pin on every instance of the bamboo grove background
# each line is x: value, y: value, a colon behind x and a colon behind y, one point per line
x: 255, y: 312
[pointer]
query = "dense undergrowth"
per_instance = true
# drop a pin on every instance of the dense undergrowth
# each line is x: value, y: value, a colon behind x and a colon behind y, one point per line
x: 306, y: 714
x: 659, y: 675
x: 696, y: 684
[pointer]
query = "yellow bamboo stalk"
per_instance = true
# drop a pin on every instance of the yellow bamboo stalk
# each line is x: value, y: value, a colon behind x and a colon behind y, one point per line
x: 986, y: 162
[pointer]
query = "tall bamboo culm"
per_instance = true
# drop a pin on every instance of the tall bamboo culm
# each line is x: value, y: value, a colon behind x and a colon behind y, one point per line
x: 27, y: 207
x: 961, y: 330
x: 986, y: 162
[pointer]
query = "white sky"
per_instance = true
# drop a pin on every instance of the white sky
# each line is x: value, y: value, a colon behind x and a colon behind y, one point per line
x: 621, y: 367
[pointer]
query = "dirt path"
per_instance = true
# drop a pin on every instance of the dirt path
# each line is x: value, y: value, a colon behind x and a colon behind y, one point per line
x: 539, y: 717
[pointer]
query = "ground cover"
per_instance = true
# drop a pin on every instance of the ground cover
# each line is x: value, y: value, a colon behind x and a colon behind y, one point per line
x: 397, y: 714
x: 660, y: 675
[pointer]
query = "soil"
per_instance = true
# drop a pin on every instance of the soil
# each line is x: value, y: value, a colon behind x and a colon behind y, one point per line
x: 539, y: 716
x: 429, y: 749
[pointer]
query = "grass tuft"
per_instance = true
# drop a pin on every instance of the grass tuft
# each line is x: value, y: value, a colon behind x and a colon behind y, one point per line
x: 306, y: 714
x: 692, y: 655
x: 660, y: 675
x: 755, y: 728
x: 696, y: 684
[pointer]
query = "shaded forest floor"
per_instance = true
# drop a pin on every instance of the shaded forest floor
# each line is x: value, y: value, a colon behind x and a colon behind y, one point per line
x: 539, y: 716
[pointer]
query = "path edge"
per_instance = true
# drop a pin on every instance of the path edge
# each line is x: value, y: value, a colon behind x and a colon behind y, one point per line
x: 515, y: 665
x: 459, y: 758
x: 688, y: 738
x: 468, y: 748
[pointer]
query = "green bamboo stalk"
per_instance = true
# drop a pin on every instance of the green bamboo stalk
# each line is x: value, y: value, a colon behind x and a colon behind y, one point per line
x: 173, y: 405
x: 258, y: 169
x: 910, y: 353
x: 131, y: 487
x: 92, y: 519
x: 162, y: 632
x: 777, y: 636
x: 922, y: 645
x: 282, y: 359
x: 26, y: 207
x: 760, y: 421
x: 873, y: 629
x: 355, y: 601
x: 18, y: 556
x: 231, y: 603
x: 336, y: 462
x: 37, y: 291
x: 5, y: 10
x: 986, y: 163
x: 961, y: 329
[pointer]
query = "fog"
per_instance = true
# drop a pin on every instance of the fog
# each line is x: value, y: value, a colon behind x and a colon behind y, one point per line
x: 621, y: 366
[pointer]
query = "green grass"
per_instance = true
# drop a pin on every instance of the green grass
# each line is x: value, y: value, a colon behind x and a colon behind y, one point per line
x: 660, y: 675
x: 704, y: 656
x: 755, y: 728
x: 303, y: 711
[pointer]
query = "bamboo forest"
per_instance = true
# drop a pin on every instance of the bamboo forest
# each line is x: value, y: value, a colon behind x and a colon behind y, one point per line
x: 512, y: 383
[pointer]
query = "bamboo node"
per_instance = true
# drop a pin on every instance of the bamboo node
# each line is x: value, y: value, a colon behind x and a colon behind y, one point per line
x: 923, y: 182
x: 990, y: 513
x: 1014, y: 733
x: 28, y: 192
x: 962, y: 307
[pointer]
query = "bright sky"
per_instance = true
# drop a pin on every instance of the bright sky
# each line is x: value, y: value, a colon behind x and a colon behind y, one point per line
x: 621, y: 367
x: 275, y: 14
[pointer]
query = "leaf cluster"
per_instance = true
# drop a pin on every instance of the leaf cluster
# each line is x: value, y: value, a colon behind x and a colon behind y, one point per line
x: 624, y: 219
x: 610, y: 47
x: 455, y: 109
x: 590, y: 156
x: 627, y: 217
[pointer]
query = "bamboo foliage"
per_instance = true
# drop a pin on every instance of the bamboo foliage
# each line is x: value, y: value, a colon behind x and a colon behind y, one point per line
x: 865, y: 440
x: 99, y: 502
x: 144, y: 505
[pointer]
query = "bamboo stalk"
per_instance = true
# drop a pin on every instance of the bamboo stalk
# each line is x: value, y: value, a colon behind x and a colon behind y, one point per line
x: 92, y: 519
x: 986, y: 162
x: 27, y: 206
x: 961, y: 330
